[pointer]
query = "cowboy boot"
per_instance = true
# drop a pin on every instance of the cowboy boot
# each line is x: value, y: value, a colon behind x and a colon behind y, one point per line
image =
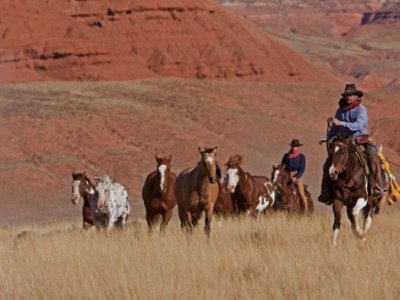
x: 325, y: 196
x: 376, y: 175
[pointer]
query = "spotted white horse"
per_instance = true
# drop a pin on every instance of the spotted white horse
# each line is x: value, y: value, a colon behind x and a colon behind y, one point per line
x: 112, y: 201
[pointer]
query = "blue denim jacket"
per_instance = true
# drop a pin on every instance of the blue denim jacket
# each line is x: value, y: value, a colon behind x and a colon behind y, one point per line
x: 354, y: 122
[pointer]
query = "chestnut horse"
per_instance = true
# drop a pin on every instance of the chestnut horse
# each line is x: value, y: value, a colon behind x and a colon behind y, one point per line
x: 197, y: 190
x: 287, y: 195
x: 82, y: 188
x: 158, y: 193
x: 224, y: 206
x: 250, y: 193
x: 349, y: 187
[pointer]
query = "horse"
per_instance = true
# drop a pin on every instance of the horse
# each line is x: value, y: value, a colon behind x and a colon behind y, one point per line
x: 349, y: 187
x: 158, y: 193
x: 82, y: 188
x: 250, y: 194
x: 224, y: 205
x: 112, y: 201
x: 197, y: 190
x: 287, y: 194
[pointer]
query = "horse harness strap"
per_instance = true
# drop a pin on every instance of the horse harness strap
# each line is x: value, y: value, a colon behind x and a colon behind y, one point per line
x: 347, y: 186
x: 360, y: 156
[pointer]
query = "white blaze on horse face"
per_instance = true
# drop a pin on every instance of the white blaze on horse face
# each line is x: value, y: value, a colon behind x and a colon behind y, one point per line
x: 101, y: 189
x: 337, y: 149
x: 76, y: 195
x: 161, y: 170
x: 276, y: 174
x: 233, y: 179
x: 332, y: 170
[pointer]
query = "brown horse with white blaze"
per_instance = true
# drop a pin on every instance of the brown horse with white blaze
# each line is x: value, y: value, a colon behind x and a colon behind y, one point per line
x: 197, y: 190
x: 349, y: 187
x: 82, y: 188
x: 251, y: 194
x: 287, y: 195
x: 158, y: 193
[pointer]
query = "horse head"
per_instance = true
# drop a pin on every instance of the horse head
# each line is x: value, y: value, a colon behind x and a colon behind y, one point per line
x: 279, y: 176
x: 232, y: 172
x: 80, y: 185
x: 163, y: 165
x: 339, y: 156
x: 103, y: 185
x: 209, y: 161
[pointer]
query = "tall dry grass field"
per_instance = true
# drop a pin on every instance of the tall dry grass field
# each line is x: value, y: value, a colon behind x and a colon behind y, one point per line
x: 272, y: 257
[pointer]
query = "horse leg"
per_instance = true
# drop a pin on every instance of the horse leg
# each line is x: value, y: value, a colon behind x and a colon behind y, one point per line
x: 166, y: 218
x: 337, y: 212
x: 150, y: 222
x: 369, y: 212
x: 209, y: 213
x: 360, y: 204
x: 111, y: 221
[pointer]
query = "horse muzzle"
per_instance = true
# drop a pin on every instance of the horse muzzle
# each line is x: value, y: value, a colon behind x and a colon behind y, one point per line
x: 75, y: 200
x: 334, y: 176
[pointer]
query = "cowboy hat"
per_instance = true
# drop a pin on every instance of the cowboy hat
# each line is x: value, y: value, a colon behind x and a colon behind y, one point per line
x: 351, y: 89
x: 295, y: 143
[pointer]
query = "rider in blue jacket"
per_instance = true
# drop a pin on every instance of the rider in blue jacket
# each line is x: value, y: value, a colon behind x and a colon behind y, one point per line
x: 351, y: 120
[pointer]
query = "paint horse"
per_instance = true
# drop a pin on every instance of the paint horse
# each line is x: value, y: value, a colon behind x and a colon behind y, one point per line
x: 197, y: 190
x: 158, y: 193
x: 251, y: 194
x: 287, y: 194
x: 349, y: 187
x: 82, y: 188
x: 112, y: 201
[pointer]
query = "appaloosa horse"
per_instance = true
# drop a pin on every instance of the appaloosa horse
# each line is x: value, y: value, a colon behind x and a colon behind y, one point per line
x: 112, y: 201
x: 82, y: 188
x: 197, y: 190
x: 158, y: 193
x: 287, y: 194
x: 349, y: 187
x: 250, y: 193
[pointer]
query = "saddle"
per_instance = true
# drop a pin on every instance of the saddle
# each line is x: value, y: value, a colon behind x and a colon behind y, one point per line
x: 358, y: 150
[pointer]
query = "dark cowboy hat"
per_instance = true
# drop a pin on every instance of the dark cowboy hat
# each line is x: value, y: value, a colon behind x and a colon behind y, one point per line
x: 295, y: 143
x: 351, y: 89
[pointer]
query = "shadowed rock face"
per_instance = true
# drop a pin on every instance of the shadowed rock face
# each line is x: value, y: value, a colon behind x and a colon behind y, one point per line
x: 120, y: 40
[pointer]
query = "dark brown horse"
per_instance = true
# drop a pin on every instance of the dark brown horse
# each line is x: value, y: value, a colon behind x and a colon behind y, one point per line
x: 250, y: 193
x: 287, y: 195
x: 224, y: 206
x: 197, y: 190
x: 82, y: 188
x: 349, y: 187
x: 158, y: 193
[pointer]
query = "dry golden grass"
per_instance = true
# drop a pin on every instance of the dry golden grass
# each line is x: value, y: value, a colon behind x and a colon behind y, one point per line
x: 272, y: 257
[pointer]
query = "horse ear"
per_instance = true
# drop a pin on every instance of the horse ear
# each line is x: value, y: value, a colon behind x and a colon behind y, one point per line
x: 215, y: 149
x: 157, y: 158
x: 198, y: 147
x: 273, y: 167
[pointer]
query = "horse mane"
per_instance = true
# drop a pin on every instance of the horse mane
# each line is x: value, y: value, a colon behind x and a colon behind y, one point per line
x: 234, y: 161
x: 88, y: 180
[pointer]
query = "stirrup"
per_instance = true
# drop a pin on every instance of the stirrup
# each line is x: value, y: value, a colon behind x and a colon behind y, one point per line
x: 377, y: 192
